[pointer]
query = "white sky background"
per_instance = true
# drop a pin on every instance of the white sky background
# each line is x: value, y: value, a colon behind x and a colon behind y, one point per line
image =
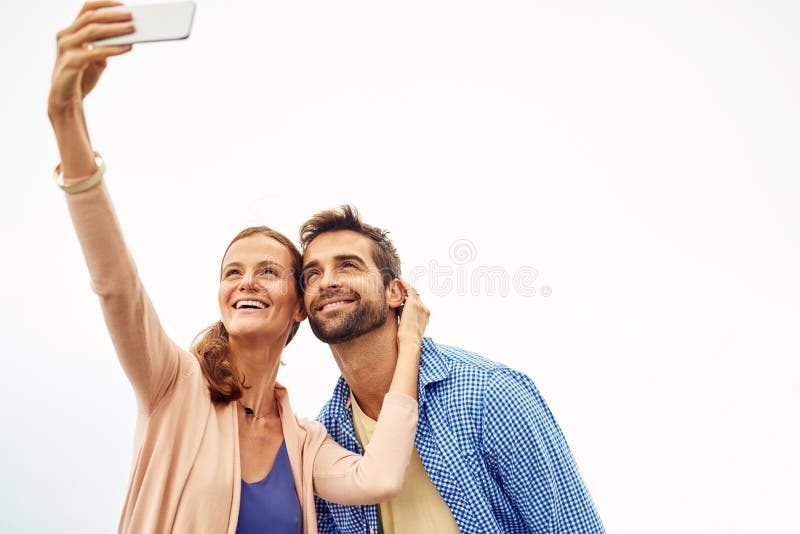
x: 642, y: 158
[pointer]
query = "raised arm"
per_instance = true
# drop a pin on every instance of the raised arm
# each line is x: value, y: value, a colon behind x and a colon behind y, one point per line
x: 149, y: 358
x: 343, y: 477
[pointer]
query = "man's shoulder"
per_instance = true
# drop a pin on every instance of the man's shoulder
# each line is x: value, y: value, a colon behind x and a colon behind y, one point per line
x: 467, y: 359
x: 463, y: 363
x: 466, y: 372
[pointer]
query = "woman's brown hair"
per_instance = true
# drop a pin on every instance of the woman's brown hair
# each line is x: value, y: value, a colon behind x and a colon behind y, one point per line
x: 211, y: 347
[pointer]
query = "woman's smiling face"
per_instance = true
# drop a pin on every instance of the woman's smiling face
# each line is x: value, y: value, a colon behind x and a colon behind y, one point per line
x: 258, y: 296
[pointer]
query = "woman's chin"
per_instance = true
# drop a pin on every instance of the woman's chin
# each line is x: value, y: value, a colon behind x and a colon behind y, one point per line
x: 252, y: 331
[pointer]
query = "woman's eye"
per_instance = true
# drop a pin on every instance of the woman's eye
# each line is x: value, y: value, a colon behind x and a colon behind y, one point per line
x: 231, y: 272
x: 270, y: 271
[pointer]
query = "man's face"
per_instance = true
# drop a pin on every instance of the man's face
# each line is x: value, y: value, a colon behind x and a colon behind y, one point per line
x: 343, y: 288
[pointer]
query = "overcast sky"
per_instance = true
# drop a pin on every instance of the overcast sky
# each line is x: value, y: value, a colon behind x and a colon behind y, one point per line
x: 601, y: 194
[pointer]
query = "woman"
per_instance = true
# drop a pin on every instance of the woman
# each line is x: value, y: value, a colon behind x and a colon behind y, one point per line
x: 217, y: 448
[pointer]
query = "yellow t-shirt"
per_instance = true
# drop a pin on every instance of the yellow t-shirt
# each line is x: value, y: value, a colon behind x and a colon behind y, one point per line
x: 418, y: 507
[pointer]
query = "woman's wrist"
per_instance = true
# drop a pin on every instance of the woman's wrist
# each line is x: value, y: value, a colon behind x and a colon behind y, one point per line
x: 409, y: 352
x: 65, y: 115
x: 409, y: 341
x: 69, y: 127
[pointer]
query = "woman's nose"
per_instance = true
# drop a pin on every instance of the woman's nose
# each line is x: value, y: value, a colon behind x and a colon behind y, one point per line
x: 248, y: 281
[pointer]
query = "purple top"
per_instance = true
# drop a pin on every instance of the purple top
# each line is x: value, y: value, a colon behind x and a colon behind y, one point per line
x: 271, y: 504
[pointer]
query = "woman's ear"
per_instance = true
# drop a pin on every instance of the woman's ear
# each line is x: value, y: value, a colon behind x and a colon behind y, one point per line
x: 395, y: 294
x: 300, y: 315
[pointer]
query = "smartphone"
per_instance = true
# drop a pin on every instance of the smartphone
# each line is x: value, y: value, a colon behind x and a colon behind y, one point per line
x: 154, y: 22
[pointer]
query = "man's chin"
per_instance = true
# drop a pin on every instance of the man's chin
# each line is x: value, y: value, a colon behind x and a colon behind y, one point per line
x: 333, y: 334
x: 338, y: 339
x: 337, y: 328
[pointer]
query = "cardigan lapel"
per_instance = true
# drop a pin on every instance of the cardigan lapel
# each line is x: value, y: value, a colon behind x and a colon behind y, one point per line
x: 230, y: 411
x: 293, y: 435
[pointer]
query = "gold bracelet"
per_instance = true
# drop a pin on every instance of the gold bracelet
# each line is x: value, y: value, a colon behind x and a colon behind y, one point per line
x: 85, y: 183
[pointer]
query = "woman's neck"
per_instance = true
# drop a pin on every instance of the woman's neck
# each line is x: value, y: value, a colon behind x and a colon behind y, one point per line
x: 258, y: 363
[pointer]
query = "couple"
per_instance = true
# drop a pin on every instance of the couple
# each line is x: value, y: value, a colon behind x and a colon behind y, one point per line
x: 430, y: 438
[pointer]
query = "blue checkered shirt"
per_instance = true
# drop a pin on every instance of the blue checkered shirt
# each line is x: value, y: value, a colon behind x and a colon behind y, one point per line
x: 490, y: 445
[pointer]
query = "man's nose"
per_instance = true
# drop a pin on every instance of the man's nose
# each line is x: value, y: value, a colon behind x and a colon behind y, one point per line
x: 328, y: 280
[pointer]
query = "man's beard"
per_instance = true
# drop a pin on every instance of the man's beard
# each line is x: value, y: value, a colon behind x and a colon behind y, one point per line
x: 366, y: 317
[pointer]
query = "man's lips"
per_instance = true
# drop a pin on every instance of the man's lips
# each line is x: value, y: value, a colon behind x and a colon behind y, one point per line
x: 333, y: 303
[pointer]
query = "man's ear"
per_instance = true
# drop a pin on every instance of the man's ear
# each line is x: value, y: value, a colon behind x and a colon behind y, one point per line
x: 395, y: 294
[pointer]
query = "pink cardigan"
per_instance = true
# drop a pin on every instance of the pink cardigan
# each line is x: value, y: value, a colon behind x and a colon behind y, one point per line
x: 186, y: 474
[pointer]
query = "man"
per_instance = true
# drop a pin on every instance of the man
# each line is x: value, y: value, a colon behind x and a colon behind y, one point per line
x: 489, y: 455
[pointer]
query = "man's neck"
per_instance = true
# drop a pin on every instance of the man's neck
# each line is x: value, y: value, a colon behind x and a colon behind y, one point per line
x: 367, y: 364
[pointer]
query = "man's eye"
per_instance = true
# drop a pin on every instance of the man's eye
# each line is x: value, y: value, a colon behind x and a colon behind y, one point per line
x: 310, y: 276
x: 348, y: 264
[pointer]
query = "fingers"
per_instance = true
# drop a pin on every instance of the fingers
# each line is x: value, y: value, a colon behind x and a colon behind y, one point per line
x: 93, y: 32
x: 77, y: 58
x: 100, y: 53
x: 106, y: 15
x: 409, y: 290
x: 413, y: 299
x: 414, y: 317
x: 77, y: 34
x: 404, y: 284
x: 90, y: 6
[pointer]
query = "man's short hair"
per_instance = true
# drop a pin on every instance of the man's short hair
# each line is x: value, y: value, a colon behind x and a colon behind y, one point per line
x: 346, y: 217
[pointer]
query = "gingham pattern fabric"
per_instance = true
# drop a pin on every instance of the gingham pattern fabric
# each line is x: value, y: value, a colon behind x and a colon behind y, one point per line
x: 489, y: 444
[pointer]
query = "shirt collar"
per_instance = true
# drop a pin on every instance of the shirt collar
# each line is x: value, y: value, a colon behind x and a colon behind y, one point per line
x: 434, y: 367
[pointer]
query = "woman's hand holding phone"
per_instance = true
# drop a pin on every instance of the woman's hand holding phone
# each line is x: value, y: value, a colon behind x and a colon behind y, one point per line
x: 79, y: 66
x: 77, y: 70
